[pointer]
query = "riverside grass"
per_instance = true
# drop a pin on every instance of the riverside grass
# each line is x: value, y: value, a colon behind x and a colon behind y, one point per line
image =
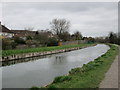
x: 89, y: 75
x: 41, y: 49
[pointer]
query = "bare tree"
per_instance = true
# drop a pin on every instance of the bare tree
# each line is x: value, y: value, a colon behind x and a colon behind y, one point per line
x: 59, y: 26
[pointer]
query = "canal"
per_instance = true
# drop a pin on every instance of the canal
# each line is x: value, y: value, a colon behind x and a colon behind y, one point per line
x: 40, y: 71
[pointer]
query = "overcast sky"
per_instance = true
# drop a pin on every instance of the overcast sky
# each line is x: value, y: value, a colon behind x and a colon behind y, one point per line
x: 90, y: 18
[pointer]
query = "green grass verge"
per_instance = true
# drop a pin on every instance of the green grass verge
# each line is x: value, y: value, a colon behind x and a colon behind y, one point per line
x: 91, y: 74
x: 41, y: 49
x: 88, y: 76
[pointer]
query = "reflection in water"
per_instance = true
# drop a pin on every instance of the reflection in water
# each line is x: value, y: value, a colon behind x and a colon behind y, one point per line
x: 58, y: 59
x: 39, y: 71
x: 7, y: 63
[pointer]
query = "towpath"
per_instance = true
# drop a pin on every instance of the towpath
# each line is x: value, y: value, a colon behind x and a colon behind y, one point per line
x: 111, y: 77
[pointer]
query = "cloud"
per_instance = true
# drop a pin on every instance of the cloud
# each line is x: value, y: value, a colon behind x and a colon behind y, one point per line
x: 90, y: 18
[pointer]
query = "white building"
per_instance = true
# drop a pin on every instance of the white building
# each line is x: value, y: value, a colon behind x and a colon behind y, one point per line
x: 5, y: 32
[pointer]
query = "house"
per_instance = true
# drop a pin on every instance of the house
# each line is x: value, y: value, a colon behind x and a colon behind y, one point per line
x: 23, y: 33
x: 5, y: 32
x: 47, y: 33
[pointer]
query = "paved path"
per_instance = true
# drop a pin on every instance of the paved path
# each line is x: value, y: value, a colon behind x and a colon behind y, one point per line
x: 119, y: 69
x: 111, y: 77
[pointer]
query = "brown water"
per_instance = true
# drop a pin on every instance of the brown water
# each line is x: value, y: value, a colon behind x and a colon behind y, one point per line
x: 42, y: 70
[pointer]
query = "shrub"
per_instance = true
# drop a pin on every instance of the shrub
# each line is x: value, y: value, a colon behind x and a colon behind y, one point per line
x: 51, y: 86
x: 6, y: 43
x: 61, y: 79
x: 34, y: 88
x: 13, y: 44
x: 86, y: 67
x: 19, y: 40
x: 75, y: 70
x: 52, y: 42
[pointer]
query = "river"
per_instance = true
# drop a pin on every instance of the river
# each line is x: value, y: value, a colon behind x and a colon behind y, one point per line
x: 41, y: 71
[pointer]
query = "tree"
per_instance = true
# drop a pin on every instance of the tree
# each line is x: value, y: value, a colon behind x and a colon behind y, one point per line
x: 41, y: 37
x: 29, y: 43
x: 52, y: 42
x: 77, y: 36
x: 118, y: 38
x: 59, y: 26
x: 65, y: 36
x: 91, y: 40
x: 19, y: 40
x: 28, y: 37
x: 112, y: 37
x: 6, y: 43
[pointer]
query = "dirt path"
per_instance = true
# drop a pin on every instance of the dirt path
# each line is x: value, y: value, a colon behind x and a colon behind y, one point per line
x: 111, y: 77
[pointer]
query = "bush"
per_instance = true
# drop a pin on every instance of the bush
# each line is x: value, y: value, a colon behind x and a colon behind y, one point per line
x: 29, y: 43
x: 6, y: 43
x: 86, y: 67
x: 34, y: 88
x: 13, y: 44
x: 19, y: 40
x: 75, y: 70
x: 52, y: 42
x: 61, y: 79
x: 51, y: 86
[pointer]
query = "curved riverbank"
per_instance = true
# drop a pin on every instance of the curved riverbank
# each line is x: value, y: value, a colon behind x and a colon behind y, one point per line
x: 34, y: 52
x: 90, y: 75
x: 42, y: 70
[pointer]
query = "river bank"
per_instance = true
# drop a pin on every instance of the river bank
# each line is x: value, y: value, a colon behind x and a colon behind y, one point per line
x: 8, y: 55
x: 40, y: 71
x: 89, y: 75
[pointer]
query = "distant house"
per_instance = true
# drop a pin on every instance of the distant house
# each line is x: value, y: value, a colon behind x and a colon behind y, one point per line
x: 47, y: 33
x: 5, y: 32
x: 23, y: 33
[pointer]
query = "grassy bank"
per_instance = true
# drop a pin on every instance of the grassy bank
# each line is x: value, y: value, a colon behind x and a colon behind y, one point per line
x: 88, y: 76
x: 41, y: 49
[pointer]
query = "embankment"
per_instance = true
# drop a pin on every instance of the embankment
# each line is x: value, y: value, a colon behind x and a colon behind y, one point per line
x: 27, y: 53
x: 88, y: 76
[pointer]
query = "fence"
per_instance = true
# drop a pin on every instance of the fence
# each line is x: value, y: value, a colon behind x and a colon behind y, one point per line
x: 73, y: 42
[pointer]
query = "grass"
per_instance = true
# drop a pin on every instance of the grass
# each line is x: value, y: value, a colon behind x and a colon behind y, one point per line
x: 61, y: 79
x: 90, y: 75
x: 41, y: 49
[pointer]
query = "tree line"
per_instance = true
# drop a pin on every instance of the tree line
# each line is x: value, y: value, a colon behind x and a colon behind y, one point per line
x: 59, y: 32
x: 112, y: 37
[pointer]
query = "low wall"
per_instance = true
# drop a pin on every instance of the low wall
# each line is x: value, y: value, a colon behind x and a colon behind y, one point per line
x: 74, y: 42
x: 35, y: 54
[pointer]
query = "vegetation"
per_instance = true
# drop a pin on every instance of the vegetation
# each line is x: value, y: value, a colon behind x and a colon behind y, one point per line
x: 8, y: 44
x: 77, y: 36
x: 52, y: 42
x: 41, y: 49
x: 113, y: 38
x: 41, y: 38
x: 34, y: 88
x: 89, y: 75
x: 61, y: 79
x: 60, y: 27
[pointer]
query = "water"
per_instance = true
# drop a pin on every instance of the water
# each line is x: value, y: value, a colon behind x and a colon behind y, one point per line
x: 42, y: 71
